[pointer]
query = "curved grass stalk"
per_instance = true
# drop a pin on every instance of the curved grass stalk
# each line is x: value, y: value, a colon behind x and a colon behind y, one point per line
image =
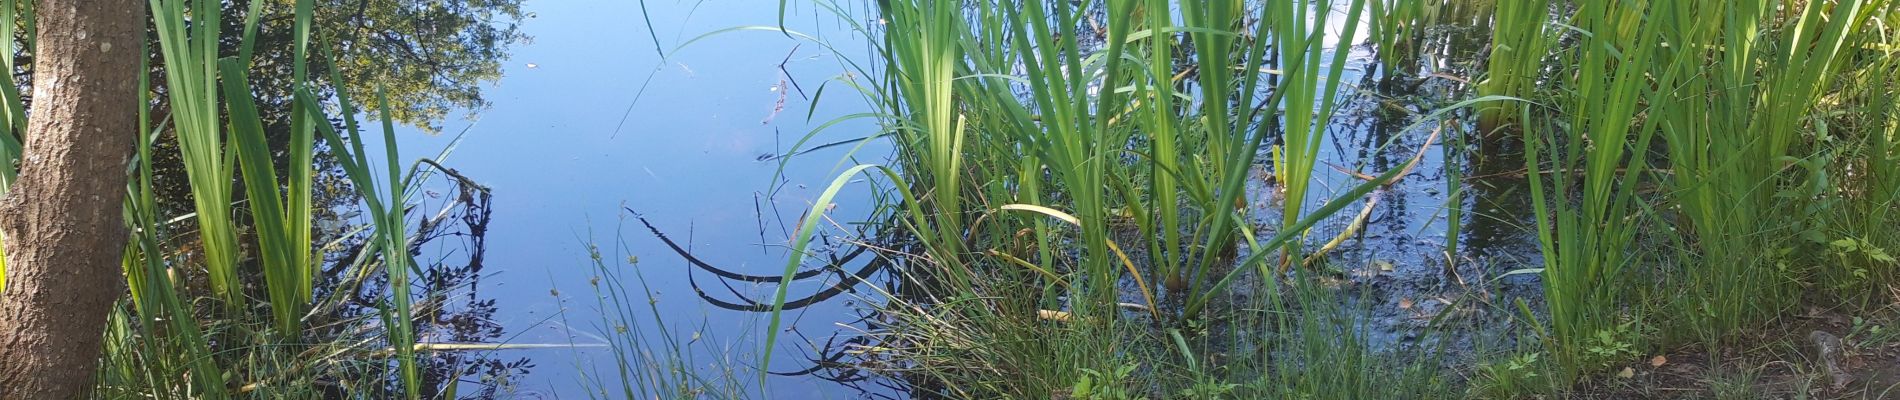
x: 802, y: 238
x: 1147, y: 292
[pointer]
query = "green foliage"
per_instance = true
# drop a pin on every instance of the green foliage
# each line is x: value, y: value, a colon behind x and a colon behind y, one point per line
x: 1612, y: 345
x: 12, y: 106
x: 1105, y: 385
x: 431, y: 57
x: 1724, y: 107
x: 1740, y: 177
x: 1130, y: 142
x: 1208, y: 389
x: 189, y: 51
x: 1302, y: 132
x: 1513, y: 377
x: 1322, y: 350
x: 1520, y: 37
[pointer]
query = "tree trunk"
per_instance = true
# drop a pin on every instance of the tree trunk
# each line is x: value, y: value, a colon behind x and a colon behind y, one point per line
x: 62, y: 220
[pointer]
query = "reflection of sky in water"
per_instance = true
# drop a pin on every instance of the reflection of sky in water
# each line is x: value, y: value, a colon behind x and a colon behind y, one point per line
x: 686, y: 157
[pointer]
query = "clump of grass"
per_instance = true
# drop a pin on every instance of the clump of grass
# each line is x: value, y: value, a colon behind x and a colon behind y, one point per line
x: 1598, y: 154
x: 1062, y: 163
x: 1073, y: 179
x: 1735, y: 119
x: 1863, y: 137
x: 1398, y: 30
x: 1520, y: 39
x: 191, y: 59
x: 1322, y: 349
x: 1306, y: 90
x: 1737, y: 95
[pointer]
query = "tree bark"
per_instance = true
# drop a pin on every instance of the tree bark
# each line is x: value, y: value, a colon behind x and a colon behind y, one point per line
x: 62, y: 220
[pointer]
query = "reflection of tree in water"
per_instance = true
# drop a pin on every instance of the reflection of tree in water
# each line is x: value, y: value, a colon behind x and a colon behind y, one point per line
x: 432, y: 56
x: 449, y: 244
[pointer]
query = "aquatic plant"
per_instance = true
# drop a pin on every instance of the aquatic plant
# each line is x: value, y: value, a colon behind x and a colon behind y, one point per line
x: 191, y: 59
x: 1584, y: 244
x: 1055, y: 158
x: 1521, y: 36
x: 1734, y: 114
x: 1305, y: 87
x: 1398, y: 27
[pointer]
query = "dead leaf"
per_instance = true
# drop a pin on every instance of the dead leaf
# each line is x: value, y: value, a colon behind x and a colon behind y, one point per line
x: 1405, y: 303
x: 1626, y: 373
x: 1658, y: 361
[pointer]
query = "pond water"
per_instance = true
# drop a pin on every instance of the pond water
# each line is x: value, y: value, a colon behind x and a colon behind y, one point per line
x: 591, y: 124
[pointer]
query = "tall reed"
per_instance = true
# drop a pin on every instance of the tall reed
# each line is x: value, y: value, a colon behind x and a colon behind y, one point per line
x: 189, y: 47
x: 1742, y: 95
x: 1598, y: 158
x: 1398, y: 27
x: 1309, y: 99
x: 1520, y: 39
